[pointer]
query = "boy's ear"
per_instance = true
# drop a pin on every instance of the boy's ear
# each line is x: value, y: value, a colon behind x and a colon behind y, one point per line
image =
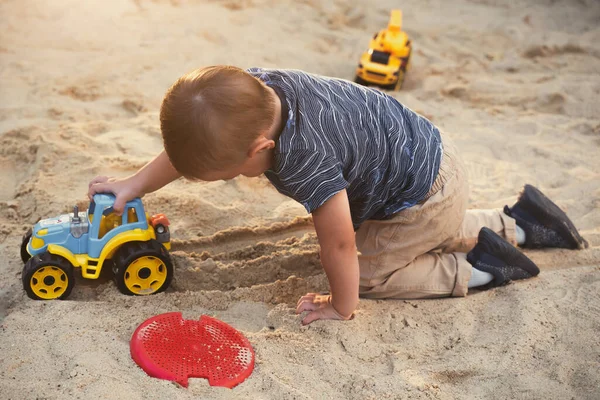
x: 261, y: 144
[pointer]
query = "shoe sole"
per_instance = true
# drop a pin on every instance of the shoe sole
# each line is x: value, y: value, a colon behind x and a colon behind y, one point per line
x: 550, y: 215
x: 490, y: 242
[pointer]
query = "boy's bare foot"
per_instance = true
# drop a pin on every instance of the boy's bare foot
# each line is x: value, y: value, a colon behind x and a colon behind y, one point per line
x: 544, y: 223
x: 496, y: 256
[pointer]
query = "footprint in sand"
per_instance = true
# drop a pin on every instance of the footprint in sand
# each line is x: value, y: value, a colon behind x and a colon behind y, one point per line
x: 584, y: 301
x: 549, y: 51
x: 552, y: 103
x: 134, y: 106
x: 456, y: 91
x: 88, y: 92
x: 587, y: 129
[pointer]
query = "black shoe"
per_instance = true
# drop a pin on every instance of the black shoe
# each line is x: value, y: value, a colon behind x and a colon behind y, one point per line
x: 496, y: 256
x: 545, y: 224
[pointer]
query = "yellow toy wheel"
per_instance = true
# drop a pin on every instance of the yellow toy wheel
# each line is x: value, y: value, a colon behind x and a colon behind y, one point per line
x: 145, y: 275
x: 47, y: 277
x: 143, y: 268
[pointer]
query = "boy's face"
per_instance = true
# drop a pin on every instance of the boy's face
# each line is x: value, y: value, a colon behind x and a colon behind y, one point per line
x: 230, y: 173
x: 222, y: 175
x: 259, y: 160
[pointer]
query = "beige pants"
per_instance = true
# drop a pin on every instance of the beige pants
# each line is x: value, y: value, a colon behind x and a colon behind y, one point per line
x: 420, y: 252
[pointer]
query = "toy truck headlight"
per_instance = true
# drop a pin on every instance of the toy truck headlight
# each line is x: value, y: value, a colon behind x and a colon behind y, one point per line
x: 160, y: 223
x: 37, y: 243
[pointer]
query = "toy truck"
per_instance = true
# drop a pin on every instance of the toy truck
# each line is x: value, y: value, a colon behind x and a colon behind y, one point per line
x: 133, y: 244
x: 387, y: 60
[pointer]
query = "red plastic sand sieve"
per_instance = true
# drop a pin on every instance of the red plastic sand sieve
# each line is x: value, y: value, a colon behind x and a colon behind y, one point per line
x: 169, y: 347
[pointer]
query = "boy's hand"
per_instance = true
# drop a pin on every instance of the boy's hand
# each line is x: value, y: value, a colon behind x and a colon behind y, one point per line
x: 152, y: 176
x: 123, y: 189
x: 320, y: 306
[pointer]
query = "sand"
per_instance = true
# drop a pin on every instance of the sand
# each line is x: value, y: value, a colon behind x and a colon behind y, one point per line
x: 515, y: 83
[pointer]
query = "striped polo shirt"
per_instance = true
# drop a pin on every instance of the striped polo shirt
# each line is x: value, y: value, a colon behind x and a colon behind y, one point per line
x: 338, y: 135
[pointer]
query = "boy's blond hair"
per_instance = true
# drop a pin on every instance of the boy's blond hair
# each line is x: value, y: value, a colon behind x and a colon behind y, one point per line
x: 210, y: 117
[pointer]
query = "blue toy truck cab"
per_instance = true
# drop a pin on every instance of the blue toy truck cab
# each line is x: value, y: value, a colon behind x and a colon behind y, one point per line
x: 105, y: 224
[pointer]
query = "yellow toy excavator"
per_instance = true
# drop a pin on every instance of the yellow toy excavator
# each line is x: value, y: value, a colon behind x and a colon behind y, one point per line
x: 388, y: 57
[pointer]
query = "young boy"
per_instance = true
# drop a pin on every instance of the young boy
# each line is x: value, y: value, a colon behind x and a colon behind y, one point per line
x: 376, y: 177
